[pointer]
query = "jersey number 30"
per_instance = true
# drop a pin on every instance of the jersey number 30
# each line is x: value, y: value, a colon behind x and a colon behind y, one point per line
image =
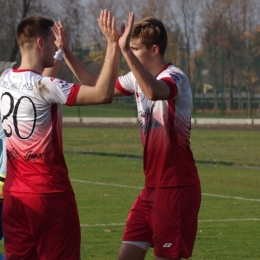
x: 13, y: 109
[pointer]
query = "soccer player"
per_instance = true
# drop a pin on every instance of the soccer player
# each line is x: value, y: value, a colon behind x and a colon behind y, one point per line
x: 40, y: 216
x: 165, y: 214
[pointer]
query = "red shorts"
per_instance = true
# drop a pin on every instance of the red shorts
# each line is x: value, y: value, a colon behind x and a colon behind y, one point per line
x: 41, y: 228
x: 167, y: 218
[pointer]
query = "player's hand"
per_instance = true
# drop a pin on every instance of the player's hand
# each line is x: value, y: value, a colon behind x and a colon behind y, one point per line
x: 2, y: 181
x: 125, y: 36
x: 107, y: 24
x: 61, y: 36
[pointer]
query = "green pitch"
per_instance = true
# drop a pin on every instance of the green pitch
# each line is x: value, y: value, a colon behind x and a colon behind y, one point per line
x: 105, y: 168
x: 106, y: 171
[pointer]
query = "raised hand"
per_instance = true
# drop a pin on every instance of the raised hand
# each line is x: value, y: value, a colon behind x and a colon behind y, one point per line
x: 107, y: 24
x: 61, y: 36
x: 125, y: 35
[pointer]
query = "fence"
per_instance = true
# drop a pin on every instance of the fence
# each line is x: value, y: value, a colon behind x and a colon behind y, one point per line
x: 203, y: 107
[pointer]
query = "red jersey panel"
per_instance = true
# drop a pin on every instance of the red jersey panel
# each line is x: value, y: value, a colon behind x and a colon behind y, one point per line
x: 32, y: 121
x: 165, y: 130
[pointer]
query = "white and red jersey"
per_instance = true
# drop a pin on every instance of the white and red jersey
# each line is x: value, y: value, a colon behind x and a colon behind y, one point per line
x: 165, y: 130
x: 32, y: 120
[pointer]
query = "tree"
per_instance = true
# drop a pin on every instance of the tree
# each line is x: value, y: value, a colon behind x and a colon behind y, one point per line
x: 227, y: 26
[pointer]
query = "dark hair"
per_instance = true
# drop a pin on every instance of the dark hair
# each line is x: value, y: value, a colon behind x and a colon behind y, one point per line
x: 31, y: 27
x: 150, y: 31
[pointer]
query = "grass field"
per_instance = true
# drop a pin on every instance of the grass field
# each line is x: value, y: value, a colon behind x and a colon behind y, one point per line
x: 106, y: 172
x: 126, y: 107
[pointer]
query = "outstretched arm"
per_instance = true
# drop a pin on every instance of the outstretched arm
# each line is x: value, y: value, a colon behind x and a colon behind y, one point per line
x: 103, y: 90
x: 83, y: 75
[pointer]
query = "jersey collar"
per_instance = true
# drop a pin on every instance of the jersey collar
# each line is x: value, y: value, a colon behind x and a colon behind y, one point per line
x: 25, y: 70
x: 164, y: 68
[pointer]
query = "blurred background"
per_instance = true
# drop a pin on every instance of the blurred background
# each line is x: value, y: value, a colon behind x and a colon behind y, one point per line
x: 216, y: 43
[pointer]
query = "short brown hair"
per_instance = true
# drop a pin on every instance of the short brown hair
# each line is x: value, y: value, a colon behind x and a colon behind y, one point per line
x: 150, y: 31
x: 31, y: 27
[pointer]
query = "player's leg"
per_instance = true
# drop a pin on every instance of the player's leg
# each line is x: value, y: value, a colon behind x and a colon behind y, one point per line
x: 130, y: 251
x: 57, y: 231
x: 137, y: 237
x: 19, y: 242
x: 175, y: 219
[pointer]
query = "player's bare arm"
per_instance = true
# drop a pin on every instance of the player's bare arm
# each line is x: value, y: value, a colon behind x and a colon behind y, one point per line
x: 83, y: 75
x: 103, y: 91
x: 154, y: 89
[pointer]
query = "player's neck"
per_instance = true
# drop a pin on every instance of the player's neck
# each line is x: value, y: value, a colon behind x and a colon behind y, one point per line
x: 31, y: 63
x: 157, y: 66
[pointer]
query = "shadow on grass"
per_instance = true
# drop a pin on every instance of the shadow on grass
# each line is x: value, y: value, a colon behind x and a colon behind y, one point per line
x: 227, y: 164
x: 132, y: 156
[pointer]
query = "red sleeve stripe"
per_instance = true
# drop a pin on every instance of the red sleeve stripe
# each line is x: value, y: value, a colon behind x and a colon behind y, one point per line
x: 121, y: 89
x: 172, y: 87
x: 73, y: 95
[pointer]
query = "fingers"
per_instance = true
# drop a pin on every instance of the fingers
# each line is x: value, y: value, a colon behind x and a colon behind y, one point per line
x: 60, y: 34
x: 129, y: 26
x: 131, y: 17
x: 101, y: 18
x: 105, y: 20
x: 125, y: 34
x: 114, y: 23
x: 108, y: 19
x: 58, y: 28
x: 55, y: 29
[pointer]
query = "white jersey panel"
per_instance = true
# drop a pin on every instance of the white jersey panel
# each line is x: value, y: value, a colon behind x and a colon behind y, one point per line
x: 165, y: 131
x: 32, y: 120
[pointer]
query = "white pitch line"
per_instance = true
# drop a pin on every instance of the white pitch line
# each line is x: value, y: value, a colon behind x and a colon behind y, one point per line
x: 205, y: 220
x: 230, y: 220
x: 136, y: 187
x: 108, y: 184
x: 229, y: 197
x: 102, y: 225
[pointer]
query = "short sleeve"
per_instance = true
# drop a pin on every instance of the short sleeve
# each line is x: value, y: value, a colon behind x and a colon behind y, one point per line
x: 172, y: 87
x: 125, y: 84
x: 56, y: 91
x: 178, y: 77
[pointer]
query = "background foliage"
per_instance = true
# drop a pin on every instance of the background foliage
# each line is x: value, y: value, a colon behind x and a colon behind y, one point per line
x: 217, y: 43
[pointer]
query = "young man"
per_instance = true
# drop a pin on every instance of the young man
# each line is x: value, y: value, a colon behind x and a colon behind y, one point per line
x: 40, y: 217
x: 165, y: 214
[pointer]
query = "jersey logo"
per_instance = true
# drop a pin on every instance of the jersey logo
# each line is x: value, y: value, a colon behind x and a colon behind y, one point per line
x: 167, y: 245
x: 52, y: 79
x: 176, y: 77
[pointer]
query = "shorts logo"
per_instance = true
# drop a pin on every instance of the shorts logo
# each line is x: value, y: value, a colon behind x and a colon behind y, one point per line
x: 167, y: 245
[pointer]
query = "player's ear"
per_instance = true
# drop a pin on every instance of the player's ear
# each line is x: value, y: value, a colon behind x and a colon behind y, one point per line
x: 39, y: 43
x: 155, y: 49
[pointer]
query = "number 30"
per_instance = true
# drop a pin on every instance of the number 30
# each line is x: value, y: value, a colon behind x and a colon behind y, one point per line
x: 14, y: 109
